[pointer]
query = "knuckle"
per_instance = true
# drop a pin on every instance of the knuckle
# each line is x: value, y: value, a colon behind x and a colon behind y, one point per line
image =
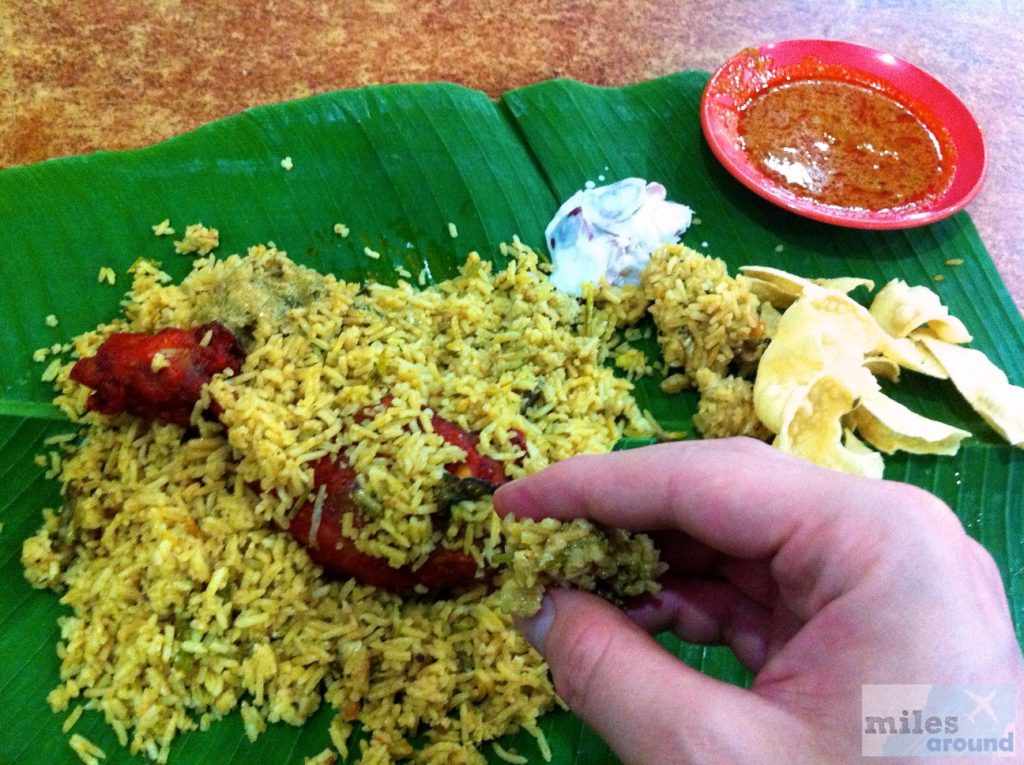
x: 743, y: 447
x: 915, y: 496
x: 987, y: 566
x: 920, y: 532
x: 904, y: 502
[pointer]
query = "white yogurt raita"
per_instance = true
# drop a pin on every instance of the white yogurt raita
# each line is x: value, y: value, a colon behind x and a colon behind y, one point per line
x: 611, y: 231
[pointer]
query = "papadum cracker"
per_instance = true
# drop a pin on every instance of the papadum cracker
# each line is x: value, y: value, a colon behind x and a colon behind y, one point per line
x: 889, y: 426
x: 780, y: 288
x: 883, y: 366
x: 899, y: 309
x: 816, y: 385
x: 812, y: 375
x: 846, y: 284
x: 984, y: 385
x: 813, y: 428
x: 910, y: 354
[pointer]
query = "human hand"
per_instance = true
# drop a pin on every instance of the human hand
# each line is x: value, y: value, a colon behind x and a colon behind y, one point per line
x: 820, y: 582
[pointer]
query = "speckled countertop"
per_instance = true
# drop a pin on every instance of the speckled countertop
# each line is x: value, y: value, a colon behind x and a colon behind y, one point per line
x: 82, y: 75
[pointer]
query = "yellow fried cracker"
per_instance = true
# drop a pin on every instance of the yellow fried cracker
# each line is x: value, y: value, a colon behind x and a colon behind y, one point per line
x: 910, y: 354
x: 883, y: 366
x: 816, y: 387
x: 846, y: 326
x: 899, y: 309
x: 845, y: 284
x: 771, y: 294
x: 889, y: 426
x: 813, y: 429
x: 823, y: 331
x: 854, y: 444
x: 775, y: 286
x: 781, y: 288
x: 793, y: 359
x: 984, y: 385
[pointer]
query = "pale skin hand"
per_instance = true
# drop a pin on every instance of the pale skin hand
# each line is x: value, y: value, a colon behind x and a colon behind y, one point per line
x: 820, y: 582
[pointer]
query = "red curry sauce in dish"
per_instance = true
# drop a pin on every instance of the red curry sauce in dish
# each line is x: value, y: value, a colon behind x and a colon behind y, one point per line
x: 845, y: 144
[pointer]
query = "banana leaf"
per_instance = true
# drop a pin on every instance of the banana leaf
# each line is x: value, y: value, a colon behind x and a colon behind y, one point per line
x: 397, y: 164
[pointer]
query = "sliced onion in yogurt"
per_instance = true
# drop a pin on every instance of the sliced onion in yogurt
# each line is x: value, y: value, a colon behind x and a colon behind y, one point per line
x: 611, y: 231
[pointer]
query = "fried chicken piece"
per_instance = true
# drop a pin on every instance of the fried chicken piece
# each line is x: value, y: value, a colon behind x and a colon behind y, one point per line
x: 444, y: 569
x: 159, y: 376
x: 476, y: 467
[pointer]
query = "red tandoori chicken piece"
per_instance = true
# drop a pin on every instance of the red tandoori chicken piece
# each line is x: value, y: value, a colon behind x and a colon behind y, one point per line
x: 476, y: 465
x: 126, y: 374
x: 443, y: 569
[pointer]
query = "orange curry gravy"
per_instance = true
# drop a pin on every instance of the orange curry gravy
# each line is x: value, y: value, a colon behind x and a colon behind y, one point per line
x: 845, y: 144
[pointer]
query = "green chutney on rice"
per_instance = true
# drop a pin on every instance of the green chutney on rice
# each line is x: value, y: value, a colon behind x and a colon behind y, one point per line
x: 383, y: 415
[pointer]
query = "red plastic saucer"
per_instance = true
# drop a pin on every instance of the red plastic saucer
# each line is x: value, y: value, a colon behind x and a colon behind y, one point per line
x: 755, y: 69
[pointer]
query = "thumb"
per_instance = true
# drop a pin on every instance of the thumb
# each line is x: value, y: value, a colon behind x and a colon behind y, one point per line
x: 645, y: 703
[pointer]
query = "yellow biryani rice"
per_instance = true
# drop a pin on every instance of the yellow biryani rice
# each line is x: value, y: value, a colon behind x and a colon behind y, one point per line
x: 706, y: 319
x: 710, y: 330
x: 188, y: 599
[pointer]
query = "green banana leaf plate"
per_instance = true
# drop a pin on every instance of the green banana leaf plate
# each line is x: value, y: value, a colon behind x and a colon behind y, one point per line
x: 397, y: 164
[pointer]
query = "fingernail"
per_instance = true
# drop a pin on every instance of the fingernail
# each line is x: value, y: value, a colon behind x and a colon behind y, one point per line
x: 535, y: 628
x: 499, y: 497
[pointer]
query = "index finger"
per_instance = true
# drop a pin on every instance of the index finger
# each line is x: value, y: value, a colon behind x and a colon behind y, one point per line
x: 737, y: 495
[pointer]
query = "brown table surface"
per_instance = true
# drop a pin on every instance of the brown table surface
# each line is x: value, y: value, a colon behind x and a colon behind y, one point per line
x: 82, y: 75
